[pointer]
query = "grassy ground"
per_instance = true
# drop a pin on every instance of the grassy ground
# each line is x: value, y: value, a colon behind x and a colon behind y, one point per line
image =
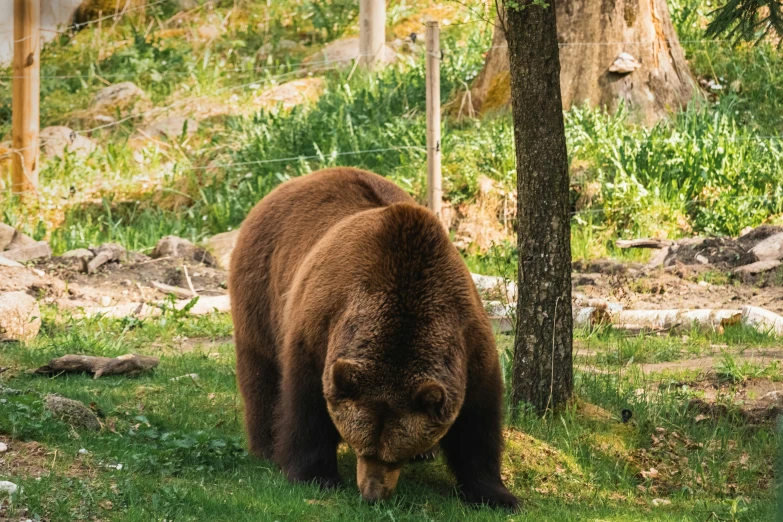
x: 181, y: 448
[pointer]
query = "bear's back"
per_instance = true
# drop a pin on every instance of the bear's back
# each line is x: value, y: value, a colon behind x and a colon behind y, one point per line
x: 280, y: 231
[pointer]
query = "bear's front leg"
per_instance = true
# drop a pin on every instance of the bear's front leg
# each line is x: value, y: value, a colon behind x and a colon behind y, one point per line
x: 473, y: 446
x: 305, y: 437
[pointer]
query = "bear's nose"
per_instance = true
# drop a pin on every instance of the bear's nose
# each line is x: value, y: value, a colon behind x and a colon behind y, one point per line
x: 375, y: 491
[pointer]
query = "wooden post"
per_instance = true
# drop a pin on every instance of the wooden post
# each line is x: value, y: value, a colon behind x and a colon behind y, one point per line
x: 372, y: 32
x: 26, y: 95
x: 434, y: 177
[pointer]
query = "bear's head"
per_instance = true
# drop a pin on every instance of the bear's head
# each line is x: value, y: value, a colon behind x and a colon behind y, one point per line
x: 392, y: 398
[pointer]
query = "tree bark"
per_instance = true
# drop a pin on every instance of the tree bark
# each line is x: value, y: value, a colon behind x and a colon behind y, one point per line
x: 592, y: 34
x: 543, y: 367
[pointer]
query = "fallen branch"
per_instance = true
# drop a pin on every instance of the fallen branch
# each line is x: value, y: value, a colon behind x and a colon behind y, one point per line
x: 129, y: 364
x: 182, y: 293
x: 643, y: 243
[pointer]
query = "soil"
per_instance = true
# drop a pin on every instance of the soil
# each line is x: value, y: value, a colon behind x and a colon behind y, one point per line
x: 677, y: 287
x: 118, y: 283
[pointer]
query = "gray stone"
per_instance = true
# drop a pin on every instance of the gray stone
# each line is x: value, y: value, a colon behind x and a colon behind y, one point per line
x: 221, y: 246
x: 119, y: 96
x: 4, y: 261
x: 173, y: 246
x: 79, y: 253
x: 56, y: 140
x: 20, y: 317
x: 344, y: 52
x: 73, y: 412
x: 30, y: 252
x: 7, y: 233
x: 171, y: 127
x: 770, y: 249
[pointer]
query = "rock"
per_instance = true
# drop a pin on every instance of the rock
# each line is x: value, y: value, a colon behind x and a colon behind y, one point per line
x: 343, y: 52
x: 17, y: 278
x: 56, y: 140
x: 290, y: 94
x: 4, y: 261
x: 624, y: 64
x: 758, y: 267
x: 658, y: 502
x: 11, y: 238
x: 27, y: 253
x: 173, y: 246
x: 119, y: 96
x: 7, y: 233
x: 769, y: 249
x: 79, y: 253
x: 73, y: 412
x: 221, y: 246
x: 20, y: 317
x: 283, y: 47
x: 8, y: 488
x: 750, y: 238
x: 104, y: 254
x: 171, y: 128
x: 3, y: 447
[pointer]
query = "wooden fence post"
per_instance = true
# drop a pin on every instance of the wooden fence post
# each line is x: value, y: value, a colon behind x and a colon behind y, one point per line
x: 372, y: 32
x: 26, y: 95
x: 434, y: 177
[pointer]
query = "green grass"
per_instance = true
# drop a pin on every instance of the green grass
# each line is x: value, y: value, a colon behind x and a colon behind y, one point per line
x: 181, y: 445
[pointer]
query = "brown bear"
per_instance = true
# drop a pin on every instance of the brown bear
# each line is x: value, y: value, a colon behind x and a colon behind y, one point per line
x: 355, y: 318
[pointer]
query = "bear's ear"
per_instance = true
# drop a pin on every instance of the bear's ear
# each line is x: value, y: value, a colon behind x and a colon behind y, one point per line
x: 431, y: 398
x: 345, y: 378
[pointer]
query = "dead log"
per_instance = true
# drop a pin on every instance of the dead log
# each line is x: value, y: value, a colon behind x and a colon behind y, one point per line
x: 129, y: 364
x: 664, y: 320
x: 643, y: 243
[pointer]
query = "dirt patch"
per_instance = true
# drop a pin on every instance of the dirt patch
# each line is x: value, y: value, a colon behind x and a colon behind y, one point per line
x: 756, y: 401
x: 682, y: 287
x: 33, y: 459
x: 119, y: 283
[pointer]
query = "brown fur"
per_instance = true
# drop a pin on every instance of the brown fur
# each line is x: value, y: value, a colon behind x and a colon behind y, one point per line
x: 356, y: 318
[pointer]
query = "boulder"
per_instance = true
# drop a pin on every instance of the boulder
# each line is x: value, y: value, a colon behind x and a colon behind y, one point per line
x: 769, y: 249
x: 343, y: 52
x: 119, y: 96
x: 282, y: 47
x: 171, y: 128
x: 221, y: 246
x: 758, y: 267
x: 290, y: 94
x: 79, y: 253
x: 7, y: 233
x: 20, y: 317
x: 30, y: 252
x: 56, y: 140
x: 173, y: 246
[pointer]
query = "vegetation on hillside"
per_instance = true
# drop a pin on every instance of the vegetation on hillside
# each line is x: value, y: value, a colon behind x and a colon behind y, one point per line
x: 714, y: 169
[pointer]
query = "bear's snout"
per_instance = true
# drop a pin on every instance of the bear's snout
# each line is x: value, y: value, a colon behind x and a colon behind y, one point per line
x: 376, y: 479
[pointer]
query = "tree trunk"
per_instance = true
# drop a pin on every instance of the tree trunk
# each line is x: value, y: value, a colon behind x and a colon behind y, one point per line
x: 592, y: 35
x: 543, y: 371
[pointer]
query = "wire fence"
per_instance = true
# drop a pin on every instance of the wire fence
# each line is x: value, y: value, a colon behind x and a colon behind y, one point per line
x: 323, y: 66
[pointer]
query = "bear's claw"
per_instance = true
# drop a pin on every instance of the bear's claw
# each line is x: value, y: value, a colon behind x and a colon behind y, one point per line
x: 493, y: 496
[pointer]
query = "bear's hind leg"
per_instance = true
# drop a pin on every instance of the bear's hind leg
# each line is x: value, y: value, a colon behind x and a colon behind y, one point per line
x: 259, y: 382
